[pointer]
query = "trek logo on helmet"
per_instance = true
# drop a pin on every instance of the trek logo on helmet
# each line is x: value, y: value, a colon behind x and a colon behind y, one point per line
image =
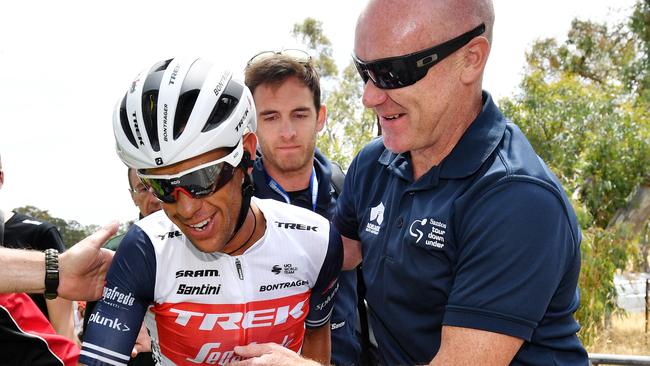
x: 172, y: 78
x: 241, y: 121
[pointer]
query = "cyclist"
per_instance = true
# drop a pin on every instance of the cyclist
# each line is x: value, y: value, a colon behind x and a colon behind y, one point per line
x: 216, y: 268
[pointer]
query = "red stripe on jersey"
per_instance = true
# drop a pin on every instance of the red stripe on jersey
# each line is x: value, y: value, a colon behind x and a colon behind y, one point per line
x: 191, y: 333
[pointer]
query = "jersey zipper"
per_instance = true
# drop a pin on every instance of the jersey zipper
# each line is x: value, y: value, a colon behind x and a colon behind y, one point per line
x: 240, y: 271
x: 243, y: 334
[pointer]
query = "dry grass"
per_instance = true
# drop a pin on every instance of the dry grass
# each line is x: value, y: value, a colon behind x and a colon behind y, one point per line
x: 626, y: 336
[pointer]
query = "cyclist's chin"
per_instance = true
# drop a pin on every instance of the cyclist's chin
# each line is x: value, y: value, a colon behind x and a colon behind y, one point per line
x: 209, y: 238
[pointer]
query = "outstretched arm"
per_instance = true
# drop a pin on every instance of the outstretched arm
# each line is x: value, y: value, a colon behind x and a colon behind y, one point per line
x: 82, y: 269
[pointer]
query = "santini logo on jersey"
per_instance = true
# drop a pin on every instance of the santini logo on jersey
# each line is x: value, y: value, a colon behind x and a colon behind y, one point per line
x: 113, y: 295
x: 238, y: 320
x: 277, y: 286
x: 197, y: 273
x: 111, y: 323
x: 198, y: 290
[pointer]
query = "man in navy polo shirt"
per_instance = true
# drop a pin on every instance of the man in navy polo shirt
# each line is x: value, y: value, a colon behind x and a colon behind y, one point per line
x: 286, y: 90
x: 470, y: 248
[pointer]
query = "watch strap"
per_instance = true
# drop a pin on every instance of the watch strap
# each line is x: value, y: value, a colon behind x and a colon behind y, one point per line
x: 51, y: 273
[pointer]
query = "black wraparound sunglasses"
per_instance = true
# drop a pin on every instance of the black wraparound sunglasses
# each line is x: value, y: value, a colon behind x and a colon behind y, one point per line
x: 400, y: 71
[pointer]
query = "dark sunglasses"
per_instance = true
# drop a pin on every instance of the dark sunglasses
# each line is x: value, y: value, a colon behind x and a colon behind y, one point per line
x: 400, y: 71
x: 293, y: 53
x: 198, y: 182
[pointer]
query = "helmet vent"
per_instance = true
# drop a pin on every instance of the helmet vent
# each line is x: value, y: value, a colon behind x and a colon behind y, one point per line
x: 162, y: 65
x: 124, y: 121
x: 150, y: 117
x: 224, y: 107
x: 184, y: 108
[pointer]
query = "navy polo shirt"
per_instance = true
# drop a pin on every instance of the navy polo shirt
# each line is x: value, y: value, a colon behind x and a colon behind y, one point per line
x: 485, y: 240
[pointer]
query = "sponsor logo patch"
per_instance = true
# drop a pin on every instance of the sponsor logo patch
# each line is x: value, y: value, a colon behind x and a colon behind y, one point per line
x: 429, y: 231
x: 376, y: 218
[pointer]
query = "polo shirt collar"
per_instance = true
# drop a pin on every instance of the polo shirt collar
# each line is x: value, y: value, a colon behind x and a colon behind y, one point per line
x: 471, y: 151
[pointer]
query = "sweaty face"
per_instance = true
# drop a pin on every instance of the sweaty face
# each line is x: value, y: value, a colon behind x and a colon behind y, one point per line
x: 287, y: 125
x: 207, y: 222
x: 413, y: 117
x: 147, y: 203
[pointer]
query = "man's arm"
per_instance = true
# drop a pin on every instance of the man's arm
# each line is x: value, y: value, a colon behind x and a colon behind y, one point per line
x: 317, y: 344
x: 466, y: 346
x: 60, y: 313
x: 82, y: 269
x: 352, y: 255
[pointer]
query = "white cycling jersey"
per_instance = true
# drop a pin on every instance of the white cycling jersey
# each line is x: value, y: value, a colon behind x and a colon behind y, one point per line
x: 199, y: 305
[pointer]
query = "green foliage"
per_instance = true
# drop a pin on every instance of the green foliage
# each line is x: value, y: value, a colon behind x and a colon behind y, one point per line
x: 603, y: 251
x: 584, y: 107
x: 71, y: 231
x: 310, y: 32
x: 349, y: 125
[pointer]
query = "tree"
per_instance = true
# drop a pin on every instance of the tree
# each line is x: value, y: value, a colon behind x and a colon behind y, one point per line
x: 584, y: 106
x: 349, y: 125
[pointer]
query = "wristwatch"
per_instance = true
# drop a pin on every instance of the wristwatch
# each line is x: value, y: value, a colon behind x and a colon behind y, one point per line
x: 51, y: 273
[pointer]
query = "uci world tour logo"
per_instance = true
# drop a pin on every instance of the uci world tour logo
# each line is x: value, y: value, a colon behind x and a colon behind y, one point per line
x: 376, y: 218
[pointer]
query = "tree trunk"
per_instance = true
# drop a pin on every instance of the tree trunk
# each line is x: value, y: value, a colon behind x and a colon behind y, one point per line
x: 637, y: 211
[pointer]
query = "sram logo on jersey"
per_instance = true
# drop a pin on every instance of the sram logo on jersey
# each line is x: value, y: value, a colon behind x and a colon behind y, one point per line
x: 114, y: 295
x: 205, y: 289
x: 108, y: 322
x: 197, y: 273
x: 239, y: 320
x: 294, y: 226
x: 277, y: 286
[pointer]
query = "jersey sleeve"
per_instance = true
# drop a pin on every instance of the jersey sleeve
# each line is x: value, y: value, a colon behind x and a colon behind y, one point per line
x: 321, y: 300
x: 518, y: 259
x: 115, y: 322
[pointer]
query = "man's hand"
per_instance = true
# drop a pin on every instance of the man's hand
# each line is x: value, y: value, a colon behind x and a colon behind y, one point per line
x: 270, y: 354
x: 142, y: 343
x: 82, y: 268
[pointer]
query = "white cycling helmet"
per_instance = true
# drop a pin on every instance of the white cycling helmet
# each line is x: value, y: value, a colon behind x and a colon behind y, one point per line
x: 178, y: 109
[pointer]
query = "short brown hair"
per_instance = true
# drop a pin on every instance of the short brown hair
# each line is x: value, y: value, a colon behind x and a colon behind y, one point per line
x: 278, y: 68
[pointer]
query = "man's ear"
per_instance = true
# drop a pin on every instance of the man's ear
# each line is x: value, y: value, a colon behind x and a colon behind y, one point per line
x: 250, y: 144
x: 2, y: 178
x: 475, y: 57
x: 321, y: 118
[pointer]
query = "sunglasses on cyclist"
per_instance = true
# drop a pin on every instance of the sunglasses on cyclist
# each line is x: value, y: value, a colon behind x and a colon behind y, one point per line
x: 198, y: 182
x: 293, y: 53
x: 400, y: 71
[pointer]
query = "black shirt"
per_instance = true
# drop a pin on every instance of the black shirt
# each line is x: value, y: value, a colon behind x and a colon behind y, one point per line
x: 26, y: 232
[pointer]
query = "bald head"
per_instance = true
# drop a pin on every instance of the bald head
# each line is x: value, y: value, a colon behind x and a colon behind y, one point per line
x: 396, y: 27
